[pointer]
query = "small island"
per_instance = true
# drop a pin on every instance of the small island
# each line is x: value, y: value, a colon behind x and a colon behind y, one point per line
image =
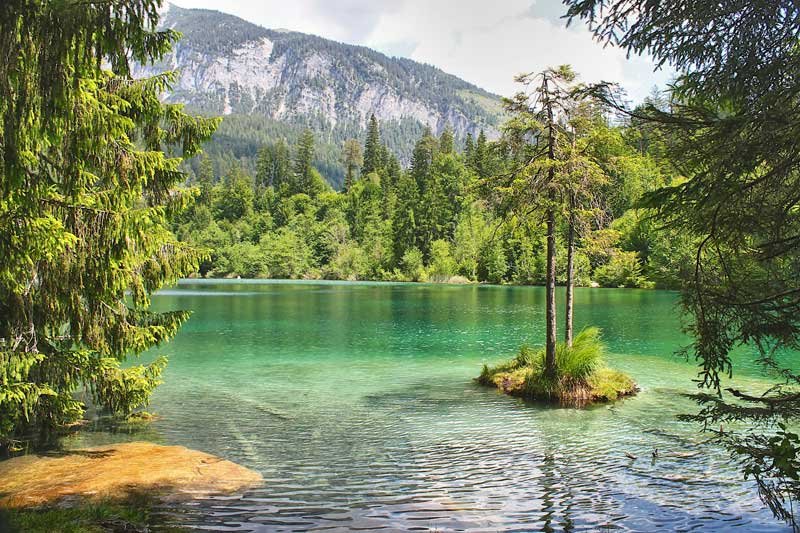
x: 581, y: 377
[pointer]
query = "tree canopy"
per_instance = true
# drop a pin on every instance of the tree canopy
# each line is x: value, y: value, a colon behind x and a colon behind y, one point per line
x: 90, y: 163
x: 732, y: 127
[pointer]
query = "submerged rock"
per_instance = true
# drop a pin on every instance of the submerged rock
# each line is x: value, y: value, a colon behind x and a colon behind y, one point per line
x: 119, y: 471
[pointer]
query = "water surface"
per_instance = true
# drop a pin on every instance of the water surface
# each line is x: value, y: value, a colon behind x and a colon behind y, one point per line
x: 355, y: 402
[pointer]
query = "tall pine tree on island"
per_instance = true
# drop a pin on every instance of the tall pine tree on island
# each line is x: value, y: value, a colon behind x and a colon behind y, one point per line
x: 550, y: 172
x: 89, y: 163
x: 536, y: 135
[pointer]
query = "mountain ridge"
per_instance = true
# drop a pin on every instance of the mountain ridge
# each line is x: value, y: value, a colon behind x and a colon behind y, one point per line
x: 231, y: 67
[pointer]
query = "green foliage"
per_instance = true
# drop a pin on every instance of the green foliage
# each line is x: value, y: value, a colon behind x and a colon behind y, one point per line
x: 273, y: 166
x: 121, y: 391
x: 237, y: 202
x: 623, y: 270
x: 90, y: 164
x: 372, y: 155
x: 447, y: 141
x: 303, y: 181
x: 287, y: 255
x: 243, y: 259
x: 132, y: 514
x: 443, y: 265
x: 349, y: 263
x: 493, y: 265
x: 730, y: 126
x: 468, y: 237
x: 353, y: 158
x: 413, y: 266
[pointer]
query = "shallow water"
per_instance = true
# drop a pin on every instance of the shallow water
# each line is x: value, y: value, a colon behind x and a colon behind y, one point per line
x: 355, y: 402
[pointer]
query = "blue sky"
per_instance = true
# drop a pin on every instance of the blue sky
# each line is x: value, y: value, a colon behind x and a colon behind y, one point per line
x: 486, y: 43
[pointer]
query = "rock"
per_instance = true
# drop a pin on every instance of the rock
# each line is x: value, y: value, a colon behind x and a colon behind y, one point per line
x: 119, y: 471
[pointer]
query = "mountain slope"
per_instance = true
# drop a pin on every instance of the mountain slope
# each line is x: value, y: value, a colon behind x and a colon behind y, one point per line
x: 228, y: 66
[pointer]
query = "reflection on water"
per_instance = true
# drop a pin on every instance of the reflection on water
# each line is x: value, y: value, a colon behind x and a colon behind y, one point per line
x: 355, y: 402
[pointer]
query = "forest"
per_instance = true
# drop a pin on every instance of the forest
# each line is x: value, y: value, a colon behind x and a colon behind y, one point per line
x: 438, y: 220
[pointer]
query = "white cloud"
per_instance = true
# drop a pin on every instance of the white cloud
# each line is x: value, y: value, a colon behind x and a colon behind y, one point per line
x: 486, y: 43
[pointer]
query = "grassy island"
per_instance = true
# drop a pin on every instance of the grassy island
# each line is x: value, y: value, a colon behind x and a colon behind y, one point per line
x: 581, y: 378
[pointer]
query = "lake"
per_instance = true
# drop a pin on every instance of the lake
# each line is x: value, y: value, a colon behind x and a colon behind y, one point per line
x: 356, y: 403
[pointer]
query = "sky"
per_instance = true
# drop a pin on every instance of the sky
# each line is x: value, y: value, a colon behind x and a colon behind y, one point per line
x: 484, y: 42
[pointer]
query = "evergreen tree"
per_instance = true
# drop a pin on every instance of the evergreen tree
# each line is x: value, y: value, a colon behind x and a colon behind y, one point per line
x: 303, y: 165
x: 273, y: 165
x: 469, y: 150
x: 205, y: 179
x: 393, y: 171
x: 422, y: 159
x: 446, y: 141
x: 364, y: 209
x: 536, y: 134
x: 404, y: 224
x: 383, y: 157
x: 372, y: 148
x: 352, y: 159
x: 427, y: 187
x: 236, y: 200
x: 85, y: 196
x: 480, y: 157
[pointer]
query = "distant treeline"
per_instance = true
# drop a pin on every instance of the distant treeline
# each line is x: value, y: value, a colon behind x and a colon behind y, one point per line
x: 434, y: 220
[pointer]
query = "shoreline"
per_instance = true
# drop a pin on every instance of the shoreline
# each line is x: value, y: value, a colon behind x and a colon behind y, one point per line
x: 479, y: 284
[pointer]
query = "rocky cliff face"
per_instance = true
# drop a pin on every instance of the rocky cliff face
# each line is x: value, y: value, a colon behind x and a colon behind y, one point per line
x: 229, y: 66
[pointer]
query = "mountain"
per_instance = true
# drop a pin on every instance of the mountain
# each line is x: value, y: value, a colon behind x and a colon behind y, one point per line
x: 273, y: 83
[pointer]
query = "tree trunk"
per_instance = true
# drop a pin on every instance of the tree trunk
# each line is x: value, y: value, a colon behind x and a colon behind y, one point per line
x: 570, y: 272
x: 550, y: 346
x: 550, y: 342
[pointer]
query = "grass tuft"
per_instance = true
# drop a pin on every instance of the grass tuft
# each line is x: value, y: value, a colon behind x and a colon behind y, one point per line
x: 80, y: 516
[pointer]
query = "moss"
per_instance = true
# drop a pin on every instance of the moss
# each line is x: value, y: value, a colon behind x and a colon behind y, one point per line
x: 142, y: 416
x: 83, y: 516
x: 582, y: 376
x: 609, y: 384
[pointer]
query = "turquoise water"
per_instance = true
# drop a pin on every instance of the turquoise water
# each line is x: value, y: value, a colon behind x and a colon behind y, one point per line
x: 356, y: 403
